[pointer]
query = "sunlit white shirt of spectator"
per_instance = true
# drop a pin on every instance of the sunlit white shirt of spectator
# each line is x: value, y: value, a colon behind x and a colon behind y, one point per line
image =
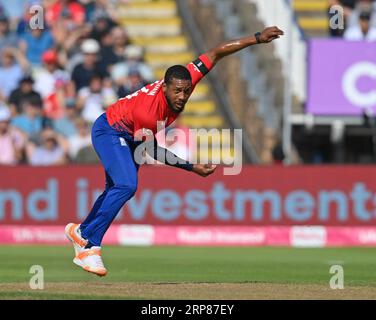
x: 133, y: 55
x: 49, y: 78
x: 12, y: 141
x: 80, y: 140
x: 363, y: 30
x: 94, y: 99
x: 49, y: 153
x: 10, y: 73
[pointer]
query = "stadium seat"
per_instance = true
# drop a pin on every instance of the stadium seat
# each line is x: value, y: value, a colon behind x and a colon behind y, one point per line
x: 312, y: 16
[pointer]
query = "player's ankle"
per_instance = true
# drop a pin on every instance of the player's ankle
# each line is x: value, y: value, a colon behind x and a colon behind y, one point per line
x: 89, y: 245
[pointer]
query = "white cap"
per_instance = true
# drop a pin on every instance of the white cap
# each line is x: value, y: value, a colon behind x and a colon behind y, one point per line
x: 133, y: 51
x: 90, y: 46
x: 5, y: 114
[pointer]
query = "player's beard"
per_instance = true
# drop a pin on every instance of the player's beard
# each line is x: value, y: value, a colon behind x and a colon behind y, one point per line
x: 171, y: 106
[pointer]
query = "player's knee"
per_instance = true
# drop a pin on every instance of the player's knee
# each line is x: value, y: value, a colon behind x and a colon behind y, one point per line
x: 128, y: 188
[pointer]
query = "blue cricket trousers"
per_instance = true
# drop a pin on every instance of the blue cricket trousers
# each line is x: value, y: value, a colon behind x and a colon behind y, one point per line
x: 115, y: 150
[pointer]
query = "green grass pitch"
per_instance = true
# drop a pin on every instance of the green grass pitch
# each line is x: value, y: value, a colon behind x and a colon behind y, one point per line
x: 190, y: 272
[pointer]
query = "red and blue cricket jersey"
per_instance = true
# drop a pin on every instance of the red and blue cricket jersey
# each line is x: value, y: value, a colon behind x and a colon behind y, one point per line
x: 148, y: 106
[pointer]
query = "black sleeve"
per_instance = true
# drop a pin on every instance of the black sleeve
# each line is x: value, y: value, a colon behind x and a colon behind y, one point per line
x: 167, y: 157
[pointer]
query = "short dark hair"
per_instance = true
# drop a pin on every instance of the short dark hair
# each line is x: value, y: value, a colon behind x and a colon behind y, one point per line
x: 177, y: 72
x: 95, y: 76
x: 365, y: 15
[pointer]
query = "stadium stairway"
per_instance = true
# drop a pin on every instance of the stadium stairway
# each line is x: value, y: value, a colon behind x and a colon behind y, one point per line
x: 312, y: 16
x: 157, y: 27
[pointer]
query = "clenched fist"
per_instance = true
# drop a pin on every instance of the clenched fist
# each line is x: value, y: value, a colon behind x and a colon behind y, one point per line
x: 271, y: 33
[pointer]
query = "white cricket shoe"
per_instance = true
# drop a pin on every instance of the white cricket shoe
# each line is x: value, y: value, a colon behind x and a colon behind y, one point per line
x: 73, y: 233
x: 90, y: 260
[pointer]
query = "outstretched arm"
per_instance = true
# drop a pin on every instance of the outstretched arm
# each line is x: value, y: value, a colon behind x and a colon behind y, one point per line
x: 167, y: 157
x: 267, y: 35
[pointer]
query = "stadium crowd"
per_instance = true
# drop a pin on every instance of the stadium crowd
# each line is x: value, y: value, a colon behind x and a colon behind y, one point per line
x: 360, y: 20
x: 55, y: 81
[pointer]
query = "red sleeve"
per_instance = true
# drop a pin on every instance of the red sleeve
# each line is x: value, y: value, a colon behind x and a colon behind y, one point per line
x: 199, y: 68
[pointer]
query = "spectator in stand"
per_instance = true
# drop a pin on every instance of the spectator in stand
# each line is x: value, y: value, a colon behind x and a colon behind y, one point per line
x: 363, y: 30
x: 13, y: 9
x: 54, y: 85
x: 131, y: 83
x: 133, y: 62
x: 134, y: 56
x: 80, y: 140
x: 87, y: 155
x: 7, y: 37
x: 23, y: 23
x: 66, y: 22
x: 12, y: 141
x: 71, y: 60
x: 34, y: 43
x: 22, y: 92
x: 347, y: 5
x: 83, y: 72
x: 99, y: 8
x: 50, y: 151
x: 108, y: 56
x: 67, y: 9
x: 66, y: 126
x: 352, y: 9
x: 93, y: 100
x: 121, y: 41
x: 101, y: 24
x: 68, y: 44
x: 89, y: 7
x: 361, y: 6
x: 31, y: 120
x: 13, y: 68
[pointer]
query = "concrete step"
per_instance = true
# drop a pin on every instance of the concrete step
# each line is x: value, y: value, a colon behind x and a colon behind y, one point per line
x: 155, y: 9
x: 313, y: 15
x: 152, y: 27
x: 307, y: 23
x: 311, y: 5
x: 202, y: 121
x: 165, y: 60
x: 163, y: 44
x: 317, y: 33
